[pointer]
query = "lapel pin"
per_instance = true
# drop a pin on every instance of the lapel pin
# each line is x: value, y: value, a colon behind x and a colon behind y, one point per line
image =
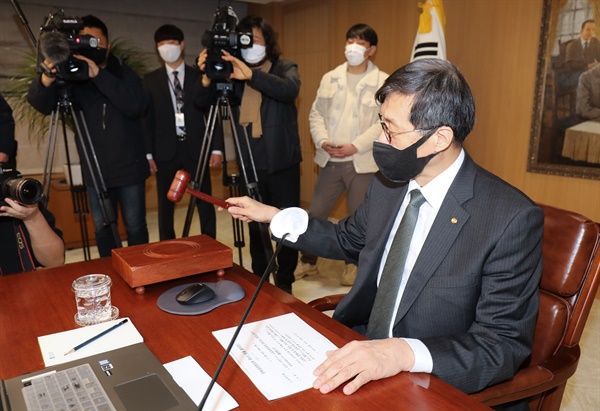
x: 454, y: 220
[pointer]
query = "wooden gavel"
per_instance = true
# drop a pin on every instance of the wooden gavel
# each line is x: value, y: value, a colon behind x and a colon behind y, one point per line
x: 179, y: 186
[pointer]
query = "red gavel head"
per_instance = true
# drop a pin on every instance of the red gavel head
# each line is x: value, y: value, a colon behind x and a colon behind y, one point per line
x: 178, y: 186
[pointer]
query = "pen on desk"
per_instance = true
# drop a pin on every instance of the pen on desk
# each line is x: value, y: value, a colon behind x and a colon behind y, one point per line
x: 103, y: 333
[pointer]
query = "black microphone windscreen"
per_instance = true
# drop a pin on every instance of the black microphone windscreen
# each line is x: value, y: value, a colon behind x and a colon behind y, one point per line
x: 54, y: 47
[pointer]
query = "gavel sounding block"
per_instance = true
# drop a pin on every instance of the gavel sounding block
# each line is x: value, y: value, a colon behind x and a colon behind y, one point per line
x: 144, y: 264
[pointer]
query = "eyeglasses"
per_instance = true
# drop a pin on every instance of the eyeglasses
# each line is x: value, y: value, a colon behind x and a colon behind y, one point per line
x: 389, y: 135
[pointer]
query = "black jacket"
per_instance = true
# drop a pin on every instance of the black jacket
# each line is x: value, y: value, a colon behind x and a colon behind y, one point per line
x: 10, y: 259
x: 279, y: 146
x: 7, y: 129
x: 112, y: 103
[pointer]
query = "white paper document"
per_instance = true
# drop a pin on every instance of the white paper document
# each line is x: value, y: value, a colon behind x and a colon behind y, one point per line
x: 194, y: 380
x: 279, y: 354
x: 54, y: 346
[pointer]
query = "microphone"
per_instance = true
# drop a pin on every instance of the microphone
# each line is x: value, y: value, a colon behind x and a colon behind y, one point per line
x: 179, y: 186
x: 289, y: 218
x: 54, y: 47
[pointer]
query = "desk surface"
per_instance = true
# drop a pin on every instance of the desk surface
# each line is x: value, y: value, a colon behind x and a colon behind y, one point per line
x: 41, y: 302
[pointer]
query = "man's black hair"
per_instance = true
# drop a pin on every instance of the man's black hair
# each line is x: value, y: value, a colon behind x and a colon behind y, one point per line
x: 441, y: 96
x: 168, y: 32
x: 95, y: 22
x: 249, y: 22
x: 586, y: 22
x: 363, y: 32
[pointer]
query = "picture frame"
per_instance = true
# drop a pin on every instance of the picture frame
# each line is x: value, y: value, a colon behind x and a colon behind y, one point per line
x: 556, y: 127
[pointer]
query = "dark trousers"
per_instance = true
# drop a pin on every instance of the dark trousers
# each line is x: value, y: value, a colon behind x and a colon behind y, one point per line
x: 166, y: 208
x: 282, y: 190
x: 131, y: 200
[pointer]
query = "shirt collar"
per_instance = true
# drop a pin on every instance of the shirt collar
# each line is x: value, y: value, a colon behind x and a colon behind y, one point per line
x: 435, y: 191
x: 180, y: 69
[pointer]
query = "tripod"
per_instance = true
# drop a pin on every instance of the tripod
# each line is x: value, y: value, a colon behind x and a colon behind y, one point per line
x: 221, y: 111
x: 65, y: 111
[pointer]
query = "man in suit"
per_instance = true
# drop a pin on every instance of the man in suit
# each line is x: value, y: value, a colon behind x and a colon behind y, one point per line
x: 466, y: 300
x: 584, y: 53
x: 174, y: 129
x: 588, y: 94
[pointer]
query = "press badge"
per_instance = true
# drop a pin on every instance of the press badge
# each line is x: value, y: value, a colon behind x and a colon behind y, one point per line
x: 179, y: 120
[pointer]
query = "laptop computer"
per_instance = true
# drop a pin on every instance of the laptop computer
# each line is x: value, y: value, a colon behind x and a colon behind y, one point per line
x: 129, y: 378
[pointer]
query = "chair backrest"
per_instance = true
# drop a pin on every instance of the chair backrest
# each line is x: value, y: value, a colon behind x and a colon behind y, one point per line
x: 570, y: 278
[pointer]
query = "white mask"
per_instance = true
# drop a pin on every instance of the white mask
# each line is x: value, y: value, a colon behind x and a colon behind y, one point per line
x: 255, y: 54
x: 355, y: 54
x: 169, y: 52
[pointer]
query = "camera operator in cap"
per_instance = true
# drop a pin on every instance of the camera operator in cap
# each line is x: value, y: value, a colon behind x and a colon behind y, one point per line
x: 174, y: 129
x: 112, y: 101
x: 20, y: 250
x: 267, y: 87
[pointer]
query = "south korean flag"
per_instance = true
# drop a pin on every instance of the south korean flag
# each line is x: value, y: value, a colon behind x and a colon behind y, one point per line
x: 430, y: 41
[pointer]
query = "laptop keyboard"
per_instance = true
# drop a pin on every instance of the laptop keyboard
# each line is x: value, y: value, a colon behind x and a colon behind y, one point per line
x: 73, y: 389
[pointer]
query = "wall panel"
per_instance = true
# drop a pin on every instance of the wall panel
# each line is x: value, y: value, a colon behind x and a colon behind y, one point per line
x: 495, y: 44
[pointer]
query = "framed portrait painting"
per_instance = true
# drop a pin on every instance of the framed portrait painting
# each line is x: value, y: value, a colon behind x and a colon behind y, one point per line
x: 565, y: 132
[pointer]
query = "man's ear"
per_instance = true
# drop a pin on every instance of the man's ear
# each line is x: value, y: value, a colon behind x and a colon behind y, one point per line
x: 444, y: 137
x: 182, y: 43
x: 372, y: 51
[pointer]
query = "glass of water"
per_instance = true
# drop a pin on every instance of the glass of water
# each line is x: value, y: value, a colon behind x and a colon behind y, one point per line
x: 92, y: 296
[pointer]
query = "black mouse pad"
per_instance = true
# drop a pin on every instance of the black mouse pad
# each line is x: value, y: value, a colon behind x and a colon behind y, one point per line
x: 225, y: 292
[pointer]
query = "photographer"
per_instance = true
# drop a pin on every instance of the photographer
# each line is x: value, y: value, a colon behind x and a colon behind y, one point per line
x: 20, y: 251
x: 267, y: 88
x: 112, y: 101
x: 28, y: 238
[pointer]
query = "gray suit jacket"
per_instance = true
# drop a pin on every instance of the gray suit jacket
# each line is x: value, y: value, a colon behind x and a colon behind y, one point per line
x: 472, y: 297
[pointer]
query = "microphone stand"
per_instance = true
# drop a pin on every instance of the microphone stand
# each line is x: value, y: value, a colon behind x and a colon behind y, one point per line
x: 239, y: 327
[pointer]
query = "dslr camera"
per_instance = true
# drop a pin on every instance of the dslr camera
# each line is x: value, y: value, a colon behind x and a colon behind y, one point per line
x: 24, y: 190
x: 59, y: 40
x: 223, y: 37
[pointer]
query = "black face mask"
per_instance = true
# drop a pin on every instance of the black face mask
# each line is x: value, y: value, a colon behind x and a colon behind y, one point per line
x: 97, y: 55
x: 399, y: 166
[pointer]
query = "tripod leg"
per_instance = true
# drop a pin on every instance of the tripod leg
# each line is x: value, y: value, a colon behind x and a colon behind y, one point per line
x: 79, y: 197
x: 201, y: 167
x: 96, y: 174
x: 238, y: 228
x: 252, y: 187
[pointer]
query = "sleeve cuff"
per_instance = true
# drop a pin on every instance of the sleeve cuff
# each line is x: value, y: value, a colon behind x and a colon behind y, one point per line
x: 423, y: 360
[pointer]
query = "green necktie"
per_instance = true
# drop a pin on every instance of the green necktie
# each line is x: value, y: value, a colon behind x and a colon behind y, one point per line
x: 391, y: 276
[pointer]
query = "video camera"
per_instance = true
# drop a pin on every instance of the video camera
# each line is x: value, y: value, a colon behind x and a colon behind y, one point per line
x: 59, y: 40
x: 24, y: 190
x: 223, y: 37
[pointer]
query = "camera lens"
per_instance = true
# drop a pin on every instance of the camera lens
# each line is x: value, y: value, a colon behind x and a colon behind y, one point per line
x: 24, y: 190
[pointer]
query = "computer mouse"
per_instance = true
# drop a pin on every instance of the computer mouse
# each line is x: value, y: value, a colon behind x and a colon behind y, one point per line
x: 195, y: 294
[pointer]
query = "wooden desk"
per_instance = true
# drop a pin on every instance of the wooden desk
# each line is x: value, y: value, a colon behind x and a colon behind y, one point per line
x: 41, y: 302
x: 582, y: 142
